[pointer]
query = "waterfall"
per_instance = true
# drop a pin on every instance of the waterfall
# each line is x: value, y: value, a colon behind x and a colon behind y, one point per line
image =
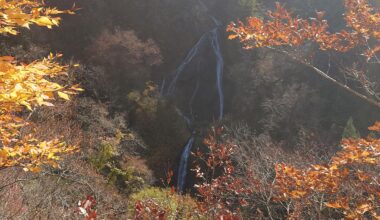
x: 182, y: 171
x: 219, y: 69
x: 189, y: 57
x: 162, y: 87
x: 212, y: 38
x: 192, y: 99
x: 187, y: 119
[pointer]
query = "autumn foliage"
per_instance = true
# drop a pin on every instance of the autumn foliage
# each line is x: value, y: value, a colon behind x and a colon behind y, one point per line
x: 26, y: 87
x: 87, y: 208
x: 220, y: 190
x: 349, y: 183
x: 284, y: 29
x: 348, y: 186
x: 23, y: 13
x: 287, y: 33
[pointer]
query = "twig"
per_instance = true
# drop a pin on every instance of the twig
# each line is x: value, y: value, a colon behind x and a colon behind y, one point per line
x: 329, y: 78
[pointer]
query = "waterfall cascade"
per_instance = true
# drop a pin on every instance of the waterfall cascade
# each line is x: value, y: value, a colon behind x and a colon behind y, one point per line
x: 189, y: 57
x: 182, y: 170
x: 219, y: 69
x: 210, y: 38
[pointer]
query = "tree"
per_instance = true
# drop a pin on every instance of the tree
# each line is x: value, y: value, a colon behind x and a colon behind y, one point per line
x: 26, y: 87
x: 287, y: 33
x: 348, y: 186
x: 350, y: 130
x: 221, y: 191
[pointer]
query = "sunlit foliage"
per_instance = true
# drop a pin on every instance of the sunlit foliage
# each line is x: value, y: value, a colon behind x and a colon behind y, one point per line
x: 284, y: 29
x: 222, y: 192
x: 156, y: 203
x: 349, y: 183
x: 27, y: 86
x: 348, y: 186
x: 23, y: 13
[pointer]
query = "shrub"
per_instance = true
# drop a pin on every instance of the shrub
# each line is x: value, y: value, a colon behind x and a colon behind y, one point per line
x: 127, y: 59
x: 128, y: 173
x: 109, y: 46
x: 104, y: 155
x: 153, y: 202
x: 145, y: 102
x: 350, y: 130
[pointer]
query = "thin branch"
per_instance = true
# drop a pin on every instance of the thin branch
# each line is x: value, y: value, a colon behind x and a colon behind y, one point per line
x: 329, y: 78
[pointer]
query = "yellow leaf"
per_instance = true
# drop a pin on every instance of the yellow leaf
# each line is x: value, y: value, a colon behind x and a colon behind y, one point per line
x: 63, y: 95
x: 44, y: 21
x: 51, y: 155
x: 27, y: 105
x: 77, y: 88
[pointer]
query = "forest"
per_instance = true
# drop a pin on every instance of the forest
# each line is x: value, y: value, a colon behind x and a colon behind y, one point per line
x: 189, y: 109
